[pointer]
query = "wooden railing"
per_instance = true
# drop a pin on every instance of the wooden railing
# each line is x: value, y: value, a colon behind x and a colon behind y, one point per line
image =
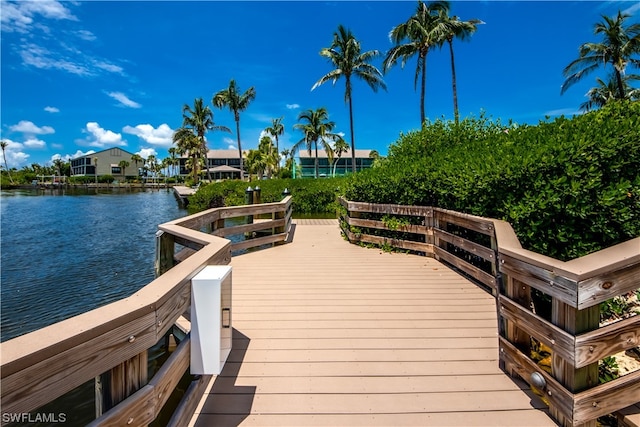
x: 575, y: 288
x: 110, y: 343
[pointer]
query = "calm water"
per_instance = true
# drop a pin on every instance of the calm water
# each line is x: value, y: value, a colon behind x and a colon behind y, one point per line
x: 66, y: 252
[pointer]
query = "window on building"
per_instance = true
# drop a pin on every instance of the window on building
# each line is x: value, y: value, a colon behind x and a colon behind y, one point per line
x: 115, y: 170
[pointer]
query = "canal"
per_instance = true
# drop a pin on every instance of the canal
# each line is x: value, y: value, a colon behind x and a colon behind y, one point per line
x: 65, y: 252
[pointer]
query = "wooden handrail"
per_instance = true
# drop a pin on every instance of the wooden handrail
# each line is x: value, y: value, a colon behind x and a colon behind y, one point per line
x: 40, y: 366
x: 576, y: 287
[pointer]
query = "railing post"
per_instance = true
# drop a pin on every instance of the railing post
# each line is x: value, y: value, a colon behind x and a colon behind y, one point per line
x: 521, y: 294
x: 437, y: 243
x: 165, y: 248
x: 575, y: 380
x: 248, y: 200
x: 120, y: 382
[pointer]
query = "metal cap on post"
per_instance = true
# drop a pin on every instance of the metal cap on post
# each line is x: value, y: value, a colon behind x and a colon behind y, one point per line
x: 257, y: 192
x: 248, y: 200
x: 248, y: 196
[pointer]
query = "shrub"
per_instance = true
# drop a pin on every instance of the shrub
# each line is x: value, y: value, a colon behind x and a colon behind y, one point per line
x: 568, y: 187
x: 309, y: 195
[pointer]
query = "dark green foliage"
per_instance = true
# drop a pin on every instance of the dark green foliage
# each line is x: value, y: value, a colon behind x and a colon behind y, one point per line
x: 568, y: 187
x: 309, y: 195
x: 608, y: 369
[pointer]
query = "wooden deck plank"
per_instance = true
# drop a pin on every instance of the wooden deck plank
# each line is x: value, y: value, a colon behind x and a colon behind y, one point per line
x: 313, y: 334
x: 328, y: 333
x: 518, y: 418
x: 323, y: 385
x: 363, y: 343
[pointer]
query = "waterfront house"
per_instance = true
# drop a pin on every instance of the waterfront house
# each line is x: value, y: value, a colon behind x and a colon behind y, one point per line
x: 107, y: 162
x: 223, y: 164
x: 325, y: 167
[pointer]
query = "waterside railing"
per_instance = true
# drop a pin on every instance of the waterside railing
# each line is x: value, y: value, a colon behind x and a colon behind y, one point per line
x: 110, y: 344
x: 489, y: 252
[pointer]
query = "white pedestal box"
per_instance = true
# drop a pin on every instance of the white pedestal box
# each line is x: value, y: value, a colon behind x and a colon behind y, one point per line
x: 210, y: 319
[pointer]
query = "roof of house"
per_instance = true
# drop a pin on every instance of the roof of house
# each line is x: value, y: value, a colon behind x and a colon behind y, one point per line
x: 304, y: 154
x: 224, y: 168
x: 102, y: 151
x: 222, y: 154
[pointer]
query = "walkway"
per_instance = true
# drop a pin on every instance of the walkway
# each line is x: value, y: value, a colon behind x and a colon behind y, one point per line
x: 331, y: 334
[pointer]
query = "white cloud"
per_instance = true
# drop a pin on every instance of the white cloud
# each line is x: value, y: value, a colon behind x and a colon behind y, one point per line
x: 123, y: 99
x: 107, y: 66
x: 632, y: 9
x: 86, y: 35
x: 79, y: 153
x: 231, y: 143
x: 162, y: 136
x: 264, y: 133
x: 39, y: 57
x: 28, y: 127
x: 146, y: 152
x: 16, y: 157
x: 68, y: 157
x: 49, y: 109
x: 563, y: 111
x: 100, y: 137
x: 19, y: 16
x: 35, y: 143
x: 293, y: 106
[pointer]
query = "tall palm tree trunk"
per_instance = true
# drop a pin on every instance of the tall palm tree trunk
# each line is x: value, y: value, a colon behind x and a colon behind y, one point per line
x: 456, y: 113
x: 353, y: 142
x: 423, y: 87
x: 240, y: 149
x: 277, y: 154
x: 619, y: 83
x: 206, y: 158
x: 316, y: 164
x: 4, y: 156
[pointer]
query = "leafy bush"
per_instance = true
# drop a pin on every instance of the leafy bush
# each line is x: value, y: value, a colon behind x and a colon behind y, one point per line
x: 568, y: 187
x: 309, y: 195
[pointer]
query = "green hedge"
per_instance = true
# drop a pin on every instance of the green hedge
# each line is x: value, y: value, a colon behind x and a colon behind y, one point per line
x: 309, y: 195
x: 568, y: 187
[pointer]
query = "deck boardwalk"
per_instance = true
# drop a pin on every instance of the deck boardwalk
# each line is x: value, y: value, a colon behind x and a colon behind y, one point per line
x: 327, y: 333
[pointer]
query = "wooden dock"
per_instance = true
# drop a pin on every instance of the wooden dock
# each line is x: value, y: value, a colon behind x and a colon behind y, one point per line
x: 182, y: 193
x: 327, y: 333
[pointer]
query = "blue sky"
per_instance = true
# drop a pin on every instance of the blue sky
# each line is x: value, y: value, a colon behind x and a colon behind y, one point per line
x: 79, y: 77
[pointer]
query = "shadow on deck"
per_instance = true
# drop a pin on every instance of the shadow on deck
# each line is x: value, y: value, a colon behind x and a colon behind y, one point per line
x: 329, y: 333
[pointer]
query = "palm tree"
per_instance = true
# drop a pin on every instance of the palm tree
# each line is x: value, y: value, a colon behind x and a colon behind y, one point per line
x: 317, y: 128
x: 339, y: 147
x: 137, y: 158
x: 257, y: 163
x: 236, y: 102
x: 95, y: 162
x: 173, y: 159
x: 452, y: 27
x: 346, y: 56
x: 4, y: 145
x: 187, y: 143
x: 605, y: 92
x: 124, y: 165
x: 417, y: 36
x: 269, y: 153
x: 619, y: 44
x: 200, y: 119
x: 276, y: 129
